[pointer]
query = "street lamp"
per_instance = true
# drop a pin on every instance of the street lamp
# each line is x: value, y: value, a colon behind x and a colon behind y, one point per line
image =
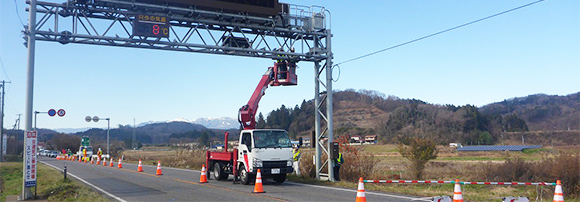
x: 96, y: 119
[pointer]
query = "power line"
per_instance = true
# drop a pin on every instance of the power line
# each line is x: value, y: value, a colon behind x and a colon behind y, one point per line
x: 3, y: 69
x: 18, y: 13
x: 440, y: 32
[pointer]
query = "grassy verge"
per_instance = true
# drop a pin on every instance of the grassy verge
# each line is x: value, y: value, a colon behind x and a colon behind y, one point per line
x: 51, y: 185
x: 470, y: 192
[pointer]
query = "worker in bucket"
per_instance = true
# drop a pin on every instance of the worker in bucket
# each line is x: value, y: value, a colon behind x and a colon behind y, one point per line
x: 282, y: 66
x: 296, y: 158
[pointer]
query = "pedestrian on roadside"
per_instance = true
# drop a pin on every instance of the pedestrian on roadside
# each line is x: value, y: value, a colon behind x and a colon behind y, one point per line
x: 338, y: 161
x: 296, y: 158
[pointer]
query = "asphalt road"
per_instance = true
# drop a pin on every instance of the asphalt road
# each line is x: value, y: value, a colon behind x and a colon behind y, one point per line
x: 126, y: 184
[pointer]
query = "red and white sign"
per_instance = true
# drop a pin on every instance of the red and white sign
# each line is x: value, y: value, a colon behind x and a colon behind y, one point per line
x: 30, y: 164
x: 61, y: 112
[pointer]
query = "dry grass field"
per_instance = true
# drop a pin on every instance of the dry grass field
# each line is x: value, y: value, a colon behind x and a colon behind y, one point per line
x: 388, y: 164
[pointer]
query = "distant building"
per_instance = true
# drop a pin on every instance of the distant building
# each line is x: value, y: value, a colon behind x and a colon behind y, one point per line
x: 371, y: 139
x: 453, y: 144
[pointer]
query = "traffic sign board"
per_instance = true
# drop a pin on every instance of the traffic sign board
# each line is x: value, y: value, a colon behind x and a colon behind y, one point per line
x: 88, y: 118
x: 95, y: 118
x: 51, y: 112
x: 61, y: 112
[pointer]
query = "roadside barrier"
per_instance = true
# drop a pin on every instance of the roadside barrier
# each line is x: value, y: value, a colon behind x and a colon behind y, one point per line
x: 139, y: 167
x: 558, y: 194
x: 120, y: 164
x: 258, y: 185
x: 158, y: 172
x: 441, y: 199
x: 360, y: 192
x: 203, y: 177
x: 457, y: 195
x: 462, y: 183
x: 515, y: 199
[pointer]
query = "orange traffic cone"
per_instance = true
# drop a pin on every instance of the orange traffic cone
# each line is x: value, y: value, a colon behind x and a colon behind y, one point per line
x: 558, y: 194
x: 80, y: 159
x: 98, y: 161
x: 457, y: 196
x: 158, y: 172
x: 112, y: 162
x: 120, y: 164
x: 104, y: 162
x: 203, y: 177
x: 86, y: 159
x: 258, y: 187
x: 92, y: 161
x: 139, y: 167
x: 360, y: 192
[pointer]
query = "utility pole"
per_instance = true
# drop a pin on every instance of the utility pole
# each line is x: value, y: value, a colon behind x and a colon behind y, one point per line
x: 134, y: 142
x: 3, y: 86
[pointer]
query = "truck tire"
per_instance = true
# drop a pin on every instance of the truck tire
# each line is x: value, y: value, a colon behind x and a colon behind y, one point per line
x: 218, y: 172
x: 245, y: 177
x: 280, y: 178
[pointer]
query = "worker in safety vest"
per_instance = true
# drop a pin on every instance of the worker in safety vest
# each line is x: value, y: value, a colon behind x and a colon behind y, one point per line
x: 296, y: 158
x: 84, y: 153
x: 282, y: 66
x: 99, y: 153
x: 338, y: 161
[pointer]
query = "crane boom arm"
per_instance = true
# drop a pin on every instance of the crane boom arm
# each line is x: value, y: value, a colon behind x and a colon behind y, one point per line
x: 246, y: 115
x: 282, y: 74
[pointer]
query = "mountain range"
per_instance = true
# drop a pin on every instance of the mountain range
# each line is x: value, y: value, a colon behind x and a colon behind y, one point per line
x: 364, y: 112
x: 223, y: 123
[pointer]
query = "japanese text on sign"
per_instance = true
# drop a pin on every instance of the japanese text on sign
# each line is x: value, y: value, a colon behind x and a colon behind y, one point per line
x: 30, y: 164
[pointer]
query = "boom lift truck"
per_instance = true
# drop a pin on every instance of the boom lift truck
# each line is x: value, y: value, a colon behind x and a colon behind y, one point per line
x: 269, y: 150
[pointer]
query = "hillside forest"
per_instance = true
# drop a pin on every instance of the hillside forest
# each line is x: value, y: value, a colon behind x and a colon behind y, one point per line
x: 540, y: 119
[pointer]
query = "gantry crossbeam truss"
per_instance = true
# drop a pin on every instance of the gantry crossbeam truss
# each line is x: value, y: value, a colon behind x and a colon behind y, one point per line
x: 111, y: 23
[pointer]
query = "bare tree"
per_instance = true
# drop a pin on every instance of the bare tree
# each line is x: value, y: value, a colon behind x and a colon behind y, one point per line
x: 418, y: 151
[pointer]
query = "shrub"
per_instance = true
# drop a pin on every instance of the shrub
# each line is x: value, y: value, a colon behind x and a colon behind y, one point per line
x: 418, y: 151
x: 513, y: 169
x: 564, y: 167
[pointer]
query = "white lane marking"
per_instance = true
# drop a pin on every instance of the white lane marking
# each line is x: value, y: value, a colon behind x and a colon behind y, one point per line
x: 335, y: 188
x: 366, y: 192
x: 179, y: 169
x: 78, y: 178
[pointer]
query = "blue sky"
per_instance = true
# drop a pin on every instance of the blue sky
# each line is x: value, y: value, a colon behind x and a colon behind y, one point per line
x: 528, y: 51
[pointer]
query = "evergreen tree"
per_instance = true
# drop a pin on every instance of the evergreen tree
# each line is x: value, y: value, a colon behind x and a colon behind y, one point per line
x: 261, y: 123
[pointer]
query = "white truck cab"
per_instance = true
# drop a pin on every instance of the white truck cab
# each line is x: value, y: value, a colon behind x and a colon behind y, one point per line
x: 269, y: 150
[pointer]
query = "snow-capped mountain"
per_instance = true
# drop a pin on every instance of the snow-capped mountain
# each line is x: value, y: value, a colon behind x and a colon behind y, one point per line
x: 218, y: 123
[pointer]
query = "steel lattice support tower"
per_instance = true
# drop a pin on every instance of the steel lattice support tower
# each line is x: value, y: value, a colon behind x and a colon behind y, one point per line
x: 112, y: 23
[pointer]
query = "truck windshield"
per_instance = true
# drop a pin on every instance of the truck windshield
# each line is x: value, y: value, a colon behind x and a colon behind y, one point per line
x: 271, y: 139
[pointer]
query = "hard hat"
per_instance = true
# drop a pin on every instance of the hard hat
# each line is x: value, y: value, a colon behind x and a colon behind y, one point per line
x: 292, y: 49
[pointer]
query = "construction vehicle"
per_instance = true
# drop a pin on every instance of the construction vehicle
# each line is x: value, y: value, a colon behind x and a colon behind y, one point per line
x: 269, y: 150
x: 85, y: 144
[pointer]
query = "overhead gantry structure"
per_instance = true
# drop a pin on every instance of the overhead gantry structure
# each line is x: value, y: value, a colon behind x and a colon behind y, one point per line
x: 263, y: 29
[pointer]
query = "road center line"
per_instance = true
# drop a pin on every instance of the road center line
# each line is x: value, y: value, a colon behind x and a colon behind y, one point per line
x: 87, y: 183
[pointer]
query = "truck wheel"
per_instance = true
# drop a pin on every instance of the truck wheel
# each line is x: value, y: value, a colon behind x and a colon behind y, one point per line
x: 245, y: 177
x: 218, y: 172
x: 280, y: 178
